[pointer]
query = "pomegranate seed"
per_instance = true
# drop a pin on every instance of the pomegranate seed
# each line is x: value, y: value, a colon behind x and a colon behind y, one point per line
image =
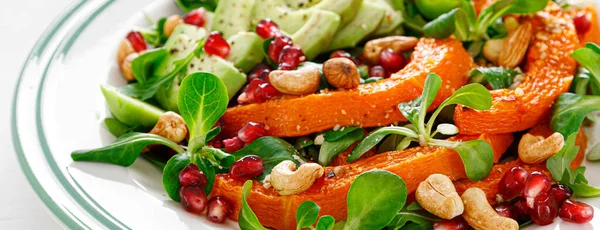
x: 392, y: 61
x: 216, y: 144
x: 560, y: 193
x: 266, y: 28
x: 340, y: 53
x: 233, y: 144
x: 576, y: 212
x: 193, y: 199
x: 505, y: 210
x: 537, y: 183
x: 259, y: 71
x: 521, y: 209
x: 216, y: 45
x: 192, y: 176
x: 457, y: 223
x: 246, y: 168
x: 248, y: 94
x: 195, y: 17
x: 251, y: 132
x: 218, y: 209
x: 513, y: 183
x: 290, y: 58
x: 544, y: 210
x: 265, y: 92
x: 377, y: 71
x: 137, y: 41
x: 582, y: 23
x: 277, y: 45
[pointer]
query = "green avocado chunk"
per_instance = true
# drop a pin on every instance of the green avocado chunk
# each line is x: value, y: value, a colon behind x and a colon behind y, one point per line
x: 130, y: 111
x: 288, y: 20
x: 232, y: 16
x: 223, y: 69
x: 391, y: 20
x: 246, y: 50
x: 346, y: 9
x: 317, y: 33
x: 366, y: 21
x: 167, y: 96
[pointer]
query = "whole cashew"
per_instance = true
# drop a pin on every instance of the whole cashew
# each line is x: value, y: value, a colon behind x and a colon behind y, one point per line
x: 125, y: 49
x: 374, y: 47
x: 480, y: 214
x: 287, y: 180
x: 126, y: 66
x: 437, y: 195
x: 536, y: 149
x: 170, y: 24
x: 171, y: 126
x: 296, y: 82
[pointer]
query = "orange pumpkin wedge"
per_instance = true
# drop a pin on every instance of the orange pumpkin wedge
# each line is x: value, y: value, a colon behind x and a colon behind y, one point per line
x: 368, y: 105
x: 548, y: 72
x: 413, y: 165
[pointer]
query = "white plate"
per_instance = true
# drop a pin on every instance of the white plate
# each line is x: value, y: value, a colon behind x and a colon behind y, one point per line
x: 58, y: 108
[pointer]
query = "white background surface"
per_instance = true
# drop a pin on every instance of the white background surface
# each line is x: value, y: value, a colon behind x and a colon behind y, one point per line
x: 21, y: 23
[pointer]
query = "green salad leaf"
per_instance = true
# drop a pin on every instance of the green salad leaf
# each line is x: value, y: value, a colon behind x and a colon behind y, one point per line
x: 271, y: 150
x: 570, y: 109
x: 247, y: 220
x: 441, y: 27
x: 170, y: 178
x: 477, y: 157
x: 377, y: 136
x: 189, y: 5
x: 330, y: 149
x: 145, y: 66
x: 117, y: 128
x: 202, y: 100
x: 208, y: 169
x: 307, y: 214
x: 405, y: 218
x: 125, y: 150
x: 325, y: 223
x: 334, y: 135
x: 497, y: 77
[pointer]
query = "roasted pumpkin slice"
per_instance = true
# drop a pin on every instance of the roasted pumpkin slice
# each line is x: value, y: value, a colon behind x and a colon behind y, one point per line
x: 413, y: 165
x: 368, y: 105
x: 548, y: 72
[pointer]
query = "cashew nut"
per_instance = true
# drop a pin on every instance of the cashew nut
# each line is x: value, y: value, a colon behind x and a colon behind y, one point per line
x: 480, y: 214
x: 437, y: 195
x: 287, y: 180
x: 170, y: 24
x: 296, y: 82
x: 536, y: 149
x: 492, y: 49
x: 171, y: 126
x: 341, y: 73
x: 125, y: 49
x: 126, y: 66
x: 398, y: 44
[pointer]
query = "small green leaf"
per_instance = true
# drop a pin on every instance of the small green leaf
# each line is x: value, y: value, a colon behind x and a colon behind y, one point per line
x: 374, y: 199
x: 497, y: 77
x: 569, y: 110
x: 147, y: 65
x: 561, y: 161
x: 247, y: 219
x: 117, y: 128
x: 125, y: 150
x: 202, y: 100
x: 477, y: 157
x: 209, y: 170
x: 303, y: 142
x: 307, y: 214
x: 474, y: 96
x: 326, y: 223
x: 415, y: 110
x: 414, y: 206
x: 223, y: 159
x: 463, y: 25
x: 594, y: 153
x: 334, y: 135
x: 589, y: 58
x: 271, y: 150
x: 331, y: 149
x: 526, y: 6
x: 441, y: 27
x: 170, y: 178
x: 402, y: 220
x: 212, y: 133
x: 189, y: 5
x: 375, y: 137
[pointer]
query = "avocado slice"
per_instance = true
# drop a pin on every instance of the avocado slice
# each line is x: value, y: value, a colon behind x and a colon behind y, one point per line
x: 299, y: 4
x: 128, y: 110
x: 346, y: 9
x: 246, y: 50
x: 232, y: 16
x: 366, y: 21
x: 183, y: 41
x: 231, y: 76
x: 317, y: 33
x: 167, y: 96
x: 288, y: 20
x: 391, y: 20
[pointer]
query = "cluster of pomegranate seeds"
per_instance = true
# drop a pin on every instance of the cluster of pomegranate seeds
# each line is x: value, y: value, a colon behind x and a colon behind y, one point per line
x: 266, y: 28
x: 535, y: 197
x: 247, y: 134
x: 290, y: 57
x: 216, y: 45
x: 377, y: 71
x: 392, y: 61
x: 457, y: 223
x: 277, y: 45
x: 195, y: 17
x: 258, y: 89
x: 218, y: 209
x: 192, y: 176
x: 261, y: 71
x: 582, y: 23
x: 137, y: 41
x: 246, y: 168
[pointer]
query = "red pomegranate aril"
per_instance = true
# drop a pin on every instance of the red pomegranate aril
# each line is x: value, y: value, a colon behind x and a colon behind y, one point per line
x: 537, y: 183
x: 192, y: 176
x: 576, y: 212
x: 582, y: 23
x: 457, y: 223
x: 218, y: 209
x: 505, y: 210
x: 265, y: 92
x: 277, y: 45
x: 217, y: 144
x: 521, y: 209
x: 377, y: 71
x: 340, y: 53
x: 233, y: 144
x: 247, y: 96
x: 258, y: 71
x: 513, y: 183
x: 290, y: 58
x: 391, y: 61
x: 544, y: 210
x: 137, y: 41
x: 266, y: 28
x: 251, y: 132
x: 246, y: 168
x: 195, y: 17
x: 216, y: 45
x: 193, y: 199
x: 560, y: 193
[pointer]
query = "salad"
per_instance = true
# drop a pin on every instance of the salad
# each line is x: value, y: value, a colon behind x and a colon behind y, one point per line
x: 363, y: 114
